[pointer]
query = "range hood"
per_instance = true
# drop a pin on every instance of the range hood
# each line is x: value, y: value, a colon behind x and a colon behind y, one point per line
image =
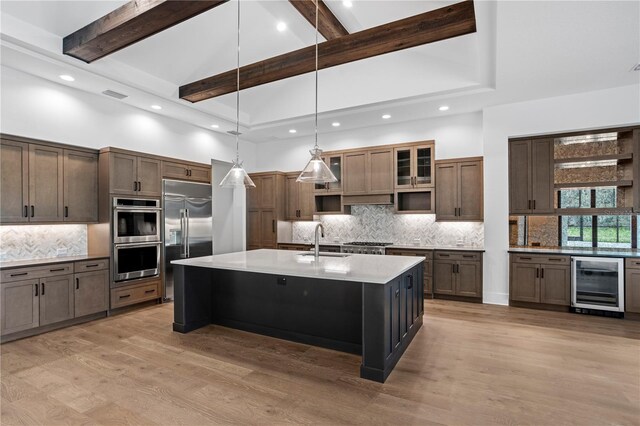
x: 380, y: 199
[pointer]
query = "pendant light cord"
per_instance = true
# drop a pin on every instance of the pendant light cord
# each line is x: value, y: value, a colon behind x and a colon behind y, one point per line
x: 238, y: 91
x: 316, y: 141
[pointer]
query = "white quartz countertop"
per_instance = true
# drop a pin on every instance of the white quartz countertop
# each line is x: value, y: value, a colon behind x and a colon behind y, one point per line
x: 355, y: 267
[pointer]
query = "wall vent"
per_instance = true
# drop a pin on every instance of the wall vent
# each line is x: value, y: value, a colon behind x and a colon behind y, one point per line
x: 234, y: 133
x: 114, y: 94
x: 636, y: 68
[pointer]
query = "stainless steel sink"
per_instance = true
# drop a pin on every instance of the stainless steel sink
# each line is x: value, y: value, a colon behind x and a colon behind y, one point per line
x: 327, y: 254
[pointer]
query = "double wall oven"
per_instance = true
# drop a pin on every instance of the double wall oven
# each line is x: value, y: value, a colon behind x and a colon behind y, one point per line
x: 136, y: 239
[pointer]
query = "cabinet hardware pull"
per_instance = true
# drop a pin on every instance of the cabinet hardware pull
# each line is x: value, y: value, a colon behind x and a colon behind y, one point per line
x: 467, y: 255
x: 33, y: 211
x: 150, y: 291
x: 26, y: 211
x: 36, y: 289
x: 125, y: 296
x: 528, y: 204
x: 57, y: 270
x: 397, y: 292
x: 457, y: 268
x: 42, y: 292
x: 273, y: 226
x: 541, y: 272
x: 20, y: 274
x: 525, y: 258
x: 77, y: 283
x: 66, y: 211
x: 534, y: 204
x: 410, y: 285
x: 551, y: 259
x: 93, y: 265
x: 186, y: 172
x: 135, y: 185
x: 453, y: 268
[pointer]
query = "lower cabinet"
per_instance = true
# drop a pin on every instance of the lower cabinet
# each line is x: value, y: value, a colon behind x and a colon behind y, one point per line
x: 540, y: 279
x: 136, y: 293
x: 458, y: 273
x: 632, y: 286
x: 427, y: 284
x: 40, y: 296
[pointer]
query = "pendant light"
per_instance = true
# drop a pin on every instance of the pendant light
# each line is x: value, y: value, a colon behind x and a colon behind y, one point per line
x: 316, y: 171
x: 237, y: 176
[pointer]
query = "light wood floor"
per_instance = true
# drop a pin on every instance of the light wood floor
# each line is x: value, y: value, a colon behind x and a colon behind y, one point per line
x: 470, y: 364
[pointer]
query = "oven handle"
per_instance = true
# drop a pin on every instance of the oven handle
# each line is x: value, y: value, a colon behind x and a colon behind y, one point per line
x: 135, y: 209
x: 133, y: 245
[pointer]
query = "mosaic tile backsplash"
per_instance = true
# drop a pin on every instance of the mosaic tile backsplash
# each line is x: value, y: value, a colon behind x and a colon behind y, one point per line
x: 379, y: 223
x: 41, y: 241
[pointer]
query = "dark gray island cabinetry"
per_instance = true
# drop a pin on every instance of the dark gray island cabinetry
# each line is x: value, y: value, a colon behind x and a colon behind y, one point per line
x: 363, y: 304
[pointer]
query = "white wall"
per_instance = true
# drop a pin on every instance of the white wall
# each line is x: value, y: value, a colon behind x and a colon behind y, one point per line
x: 455, y: 136
x: 229, y: 213
x: 605, y: 108
x: 37, y: 108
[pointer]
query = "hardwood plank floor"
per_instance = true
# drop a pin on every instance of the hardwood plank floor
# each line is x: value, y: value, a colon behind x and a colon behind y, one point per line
x: 469, y: 364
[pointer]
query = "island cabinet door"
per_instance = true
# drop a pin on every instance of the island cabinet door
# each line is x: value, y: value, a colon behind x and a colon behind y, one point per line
x: 443, y: 276
x: 394, y: 302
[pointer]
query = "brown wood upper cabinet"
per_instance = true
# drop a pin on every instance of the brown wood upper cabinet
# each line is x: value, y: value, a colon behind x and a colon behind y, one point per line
x: 459, y: 190
x: 413, y: 166
x: 299, y: 198
x: 368, y: 172
x: 531, y: 177
x: 47, y: 183
x: 183, y: 171
x: 335, y: 162
x: 134, y: 175
x: 265, y: 207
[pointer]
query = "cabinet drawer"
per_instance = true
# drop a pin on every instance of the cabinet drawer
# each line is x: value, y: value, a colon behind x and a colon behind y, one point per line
x: 19, y: 274
x: 546, y: 259
x: 632, y: 263
x: 130, y: 295
x: 91, y: 265
x: 456, y: 255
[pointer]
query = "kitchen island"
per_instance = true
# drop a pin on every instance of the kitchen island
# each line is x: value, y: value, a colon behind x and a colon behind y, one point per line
x: 365, y: 304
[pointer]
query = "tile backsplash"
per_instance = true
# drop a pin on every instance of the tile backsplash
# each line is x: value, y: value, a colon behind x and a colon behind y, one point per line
x: 380, y: 223
x: 41, y: 241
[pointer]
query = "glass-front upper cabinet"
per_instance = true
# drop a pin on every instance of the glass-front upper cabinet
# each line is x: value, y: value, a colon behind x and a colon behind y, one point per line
x: 414, y: 166
x: 334, y: 162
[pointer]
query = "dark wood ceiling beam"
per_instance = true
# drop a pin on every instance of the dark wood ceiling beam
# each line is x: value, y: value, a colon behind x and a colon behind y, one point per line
x: 440, y: 24
x: 328, y: 24
x: 130, y: 23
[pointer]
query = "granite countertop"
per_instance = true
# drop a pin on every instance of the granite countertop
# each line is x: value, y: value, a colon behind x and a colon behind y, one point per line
x: 576, y: 251
x: 47, y: 261
x: 397, y: 246
x: 354, y: 267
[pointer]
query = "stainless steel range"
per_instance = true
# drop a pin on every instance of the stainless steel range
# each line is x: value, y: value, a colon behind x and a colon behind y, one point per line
x: 364, y: 247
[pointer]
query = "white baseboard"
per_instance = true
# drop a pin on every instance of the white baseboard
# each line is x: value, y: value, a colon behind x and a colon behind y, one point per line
x: 496, y: 298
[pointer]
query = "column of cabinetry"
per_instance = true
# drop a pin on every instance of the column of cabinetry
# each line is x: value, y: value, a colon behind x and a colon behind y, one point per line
x: 45, y: 183
x: 458, y: 274
x: 299, y: 198
x: 531, y: 177
x: 265, y: 207
x: 414, y: 177
x: 39, y: 296
x: 459, y: 190
x: 540, y: 279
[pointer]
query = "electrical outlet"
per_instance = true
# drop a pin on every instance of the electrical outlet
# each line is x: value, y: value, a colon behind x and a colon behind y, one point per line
x: 62, y: 251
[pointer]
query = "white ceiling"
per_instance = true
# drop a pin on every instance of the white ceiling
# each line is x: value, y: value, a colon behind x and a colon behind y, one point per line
x: 522, y: 50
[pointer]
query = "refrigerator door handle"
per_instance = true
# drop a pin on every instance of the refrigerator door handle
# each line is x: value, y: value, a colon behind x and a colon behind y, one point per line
x: 186, y: 246
x: 183, y: 236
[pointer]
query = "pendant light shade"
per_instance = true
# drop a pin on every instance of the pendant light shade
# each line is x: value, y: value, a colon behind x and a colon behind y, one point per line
x: 236, y: 177
x: 316, y: 171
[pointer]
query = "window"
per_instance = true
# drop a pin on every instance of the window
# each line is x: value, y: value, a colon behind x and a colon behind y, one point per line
x: 598, y: 231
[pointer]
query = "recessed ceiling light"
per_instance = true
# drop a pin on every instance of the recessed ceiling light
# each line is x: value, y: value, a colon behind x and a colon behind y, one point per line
x: 215, y: 126
x: 347, y: 3
x: 335, y: 124
x: 444, y: 108
x: 281, y: 26
x: 386, y: 116
x: 66, y: 77
x: 156, y: 107
x: 292, y: 130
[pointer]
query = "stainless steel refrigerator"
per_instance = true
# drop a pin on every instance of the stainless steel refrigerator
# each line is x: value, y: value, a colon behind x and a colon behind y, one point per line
x: 188, y: 225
